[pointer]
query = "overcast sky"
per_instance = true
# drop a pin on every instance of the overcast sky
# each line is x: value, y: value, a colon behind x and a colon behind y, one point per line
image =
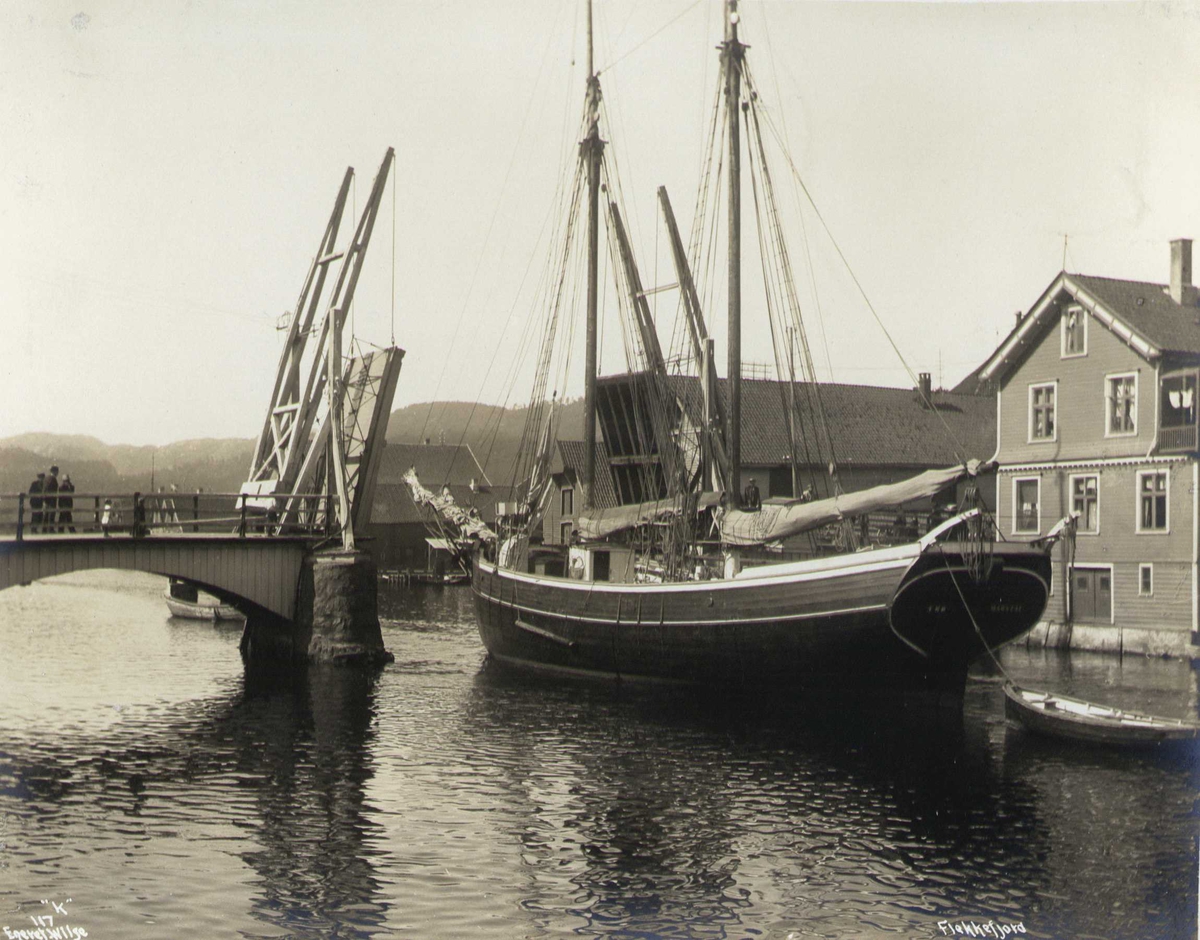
x: 167, y: 170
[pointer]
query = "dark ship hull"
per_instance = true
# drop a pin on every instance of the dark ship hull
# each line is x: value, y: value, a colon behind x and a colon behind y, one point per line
x: 885, y: 621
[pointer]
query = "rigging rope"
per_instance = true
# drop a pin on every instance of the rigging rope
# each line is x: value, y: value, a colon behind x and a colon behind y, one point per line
x: 957, y: 444
x: 353, y: 238
x: 394, y: 175
x: 779, y: 243
x: 491, y: 225
x: 669, y: 23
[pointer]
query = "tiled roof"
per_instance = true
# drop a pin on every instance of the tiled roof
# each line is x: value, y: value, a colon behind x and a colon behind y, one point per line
x: 570, y: 457
x: 869, y: 425
x: 436, y: 464
x: 1148, y: 310
x: 1143, y: 314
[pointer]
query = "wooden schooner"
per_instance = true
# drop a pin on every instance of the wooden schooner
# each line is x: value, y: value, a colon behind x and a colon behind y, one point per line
x: 679, y: 586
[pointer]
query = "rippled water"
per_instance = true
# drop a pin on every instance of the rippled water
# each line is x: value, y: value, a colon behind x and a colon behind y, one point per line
x: 144, y: 778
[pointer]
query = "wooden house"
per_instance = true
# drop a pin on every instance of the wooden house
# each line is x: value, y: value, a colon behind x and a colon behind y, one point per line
x: 399, y: 533
x: 1097, y: 417
x: 566, y: 496
x: 874, y: 434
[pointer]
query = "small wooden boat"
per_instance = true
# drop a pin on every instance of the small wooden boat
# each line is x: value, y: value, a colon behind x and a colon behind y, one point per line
x: 183, y: 600
x: 1062, y: 716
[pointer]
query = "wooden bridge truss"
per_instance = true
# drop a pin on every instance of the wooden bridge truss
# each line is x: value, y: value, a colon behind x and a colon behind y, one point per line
x: 301, y: 448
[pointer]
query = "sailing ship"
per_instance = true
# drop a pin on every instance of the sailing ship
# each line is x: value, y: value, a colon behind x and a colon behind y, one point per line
x: 689, y: 583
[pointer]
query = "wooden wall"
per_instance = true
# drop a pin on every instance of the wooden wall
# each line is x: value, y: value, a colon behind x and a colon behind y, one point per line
x: 1080, y: 411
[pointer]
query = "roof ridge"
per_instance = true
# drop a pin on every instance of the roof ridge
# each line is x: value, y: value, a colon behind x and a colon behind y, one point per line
x: 864, y: 385
x: 1118, y: 280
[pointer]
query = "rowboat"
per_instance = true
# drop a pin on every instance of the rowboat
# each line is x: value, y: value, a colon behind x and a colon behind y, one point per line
x: 1062, y: 716
x: 183, y: 600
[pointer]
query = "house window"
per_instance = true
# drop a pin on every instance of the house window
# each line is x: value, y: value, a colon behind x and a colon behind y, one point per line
x: 568, y: 502
x: 1041, y: 412
x: 1178, y: 407
x: 1121, y: 403
x: 1177, y: 412
x: 1074, y: 332
x: 1152, y: 500
x: 1085, y: 502
x: 1145, y: 580
x: 1026, y: 499
x: 565, y: 533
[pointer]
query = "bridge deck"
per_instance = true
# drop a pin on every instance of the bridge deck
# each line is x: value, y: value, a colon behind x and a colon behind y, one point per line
x: 261, y: 569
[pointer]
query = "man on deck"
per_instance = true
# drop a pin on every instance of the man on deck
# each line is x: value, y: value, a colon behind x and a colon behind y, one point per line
x: 750, y: 499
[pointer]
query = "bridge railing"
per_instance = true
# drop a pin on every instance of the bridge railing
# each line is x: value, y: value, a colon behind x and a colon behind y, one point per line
x: 136, y: 515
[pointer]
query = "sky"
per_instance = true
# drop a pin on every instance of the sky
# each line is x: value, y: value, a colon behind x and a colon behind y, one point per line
x: 168, y: 169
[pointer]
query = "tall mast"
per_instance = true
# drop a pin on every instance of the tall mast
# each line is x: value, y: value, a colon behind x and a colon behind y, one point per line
x: 732, y: 54
x: 592, y: 146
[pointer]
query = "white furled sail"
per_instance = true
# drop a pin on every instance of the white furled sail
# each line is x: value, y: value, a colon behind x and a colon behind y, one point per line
x: 780, y: 520
x: 469, y: 525
x: 601, y: 523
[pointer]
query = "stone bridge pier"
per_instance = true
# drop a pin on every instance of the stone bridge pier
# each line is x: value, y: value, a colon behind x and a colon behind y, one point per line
x: 302, y: 604
x: 336, y: 618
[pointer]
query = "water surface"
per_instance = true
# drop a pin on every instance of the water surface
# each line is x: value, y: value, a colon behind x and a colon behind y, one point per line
x: 144, y: 777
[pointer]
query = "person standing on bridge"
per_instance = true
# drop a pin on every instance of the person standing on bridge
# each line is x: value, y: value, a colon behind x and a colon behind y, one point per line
x: 35, y: 502
x: 66, y: 504
x: 139, y: 516
x: 51, y: 502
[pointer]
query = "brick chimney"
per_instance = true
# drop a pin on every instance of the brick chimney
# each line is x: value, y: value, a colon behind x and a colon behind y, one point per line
x: 1182, y: 291
x: 925, y: 388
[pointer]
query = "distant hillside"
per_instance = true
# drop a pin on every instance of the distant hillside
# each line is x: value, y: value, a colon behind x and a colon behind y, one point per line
x: 493, y: 432
x: 221, y: 465
x: 214, y: 465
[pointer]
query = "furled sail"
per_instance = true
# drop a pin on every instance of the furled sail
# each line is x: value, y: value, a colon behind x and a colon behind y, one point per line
x: 601, y: 523
x: 467, y: 521
x: 779, y: 520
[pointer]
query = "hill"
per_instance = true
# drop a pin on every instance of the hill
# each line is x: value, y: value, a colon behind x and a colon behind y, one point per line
x: 213, y: 465
x: 493, y: 432
x: 221, y: 465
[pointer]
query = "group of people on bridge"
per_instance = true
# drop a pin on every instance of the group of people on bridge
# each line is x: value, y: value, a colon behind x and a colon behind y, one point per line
x: 51, y: 502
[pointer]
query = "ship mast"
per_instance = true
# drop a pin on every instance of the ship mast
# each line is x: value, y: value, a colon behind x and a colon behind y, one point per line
x: 732, y: 53
x: 593, y: 148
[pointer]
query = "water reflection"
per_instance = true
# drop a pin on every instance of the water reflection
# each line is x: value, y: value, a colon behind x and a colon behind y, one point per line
x: 664, y: 813
x: 429, y: 606
x: 305, y: 748
x: 285, y: 764
x: 143, y: 775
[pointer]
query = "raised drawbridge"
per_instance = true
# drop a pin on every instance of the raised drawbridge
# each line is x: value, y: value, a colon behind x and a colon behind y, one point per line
x: 319, y: 449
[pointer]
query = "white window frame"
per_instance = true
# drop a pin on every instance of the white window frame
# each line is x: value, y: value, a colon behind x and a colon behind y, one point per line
x: 1108, y: 404
x: 1016, y: 508
x: 1029, y: 413
x: 1062, y: 348
x: 562, y: 497
x: 1071, y: 478
x: 1144, y: 568
x: 1137, y: 504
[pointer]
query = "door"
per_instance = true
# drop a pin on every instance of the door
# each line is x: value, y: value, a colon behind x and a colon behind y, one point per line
x: 1091, y: 595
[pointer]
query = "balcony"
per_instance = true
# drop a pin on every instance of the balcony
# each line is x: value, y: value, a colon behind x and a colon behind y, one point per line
x: 1177, y: 440
x: 1177, y: 412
